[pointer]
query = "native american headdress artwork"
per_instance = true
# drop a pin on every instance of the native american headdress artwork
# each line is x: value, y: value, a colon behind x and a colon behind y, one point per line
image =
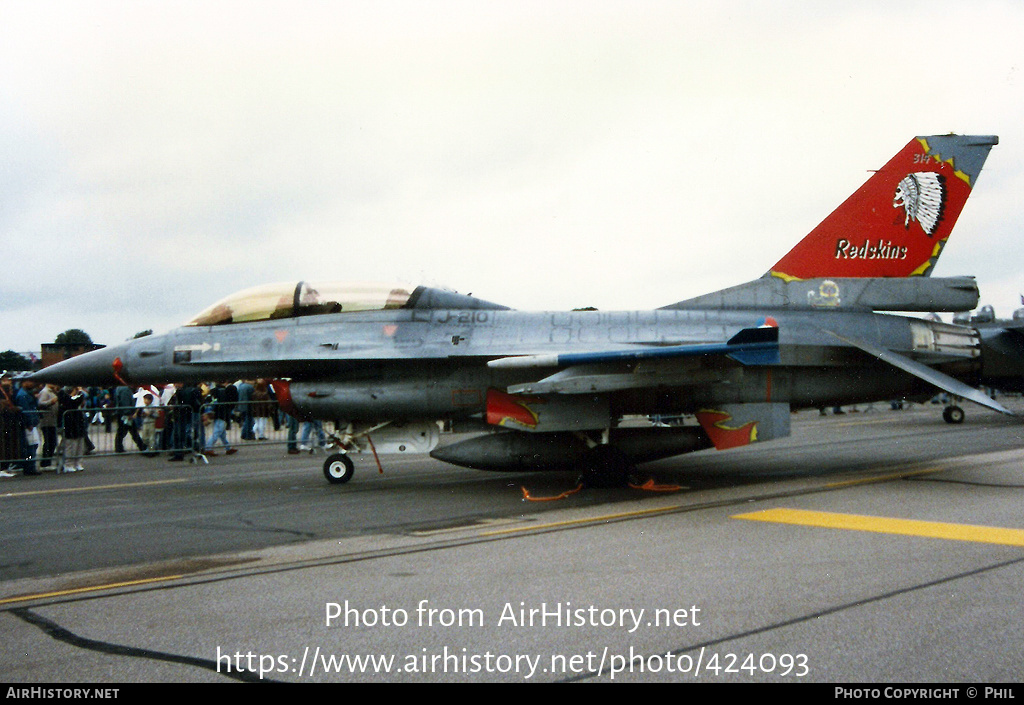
x: 922, y: 196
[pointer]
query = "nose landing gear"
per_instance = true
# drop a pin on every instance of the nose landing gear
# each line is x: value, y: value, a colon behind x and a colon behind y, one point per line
x: 339, y: 468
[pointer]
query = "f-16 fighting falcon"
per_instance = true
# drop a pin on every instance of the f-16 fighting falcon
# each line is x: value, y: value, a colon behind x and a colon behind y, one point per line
x: 549, y: 390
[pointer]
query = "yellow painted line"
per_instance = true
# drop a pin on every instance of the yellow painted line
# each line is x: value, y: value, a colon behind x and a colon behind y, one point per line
x: 861, y: 422
x: 62, y: 490
x: 884, y: 525
x: 881, y: 478
x: 77, y: 591
x: 676, y: 507
x: 465, y: 527
x: 588, y: 520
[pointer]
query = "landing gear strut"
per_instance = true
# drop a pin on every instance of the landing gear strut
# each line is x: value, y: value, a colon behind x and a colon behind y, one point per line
x: 339, y: 468
x: 605, y: 466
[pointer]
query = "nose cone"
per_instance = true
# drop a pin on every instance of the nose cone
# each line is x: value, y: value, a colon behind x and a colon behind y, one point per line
x: 99, y: 368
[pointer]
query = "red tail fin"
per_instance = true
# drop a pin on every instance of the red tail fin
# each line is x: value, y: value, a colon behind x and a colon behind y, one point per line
x: 897, y: 223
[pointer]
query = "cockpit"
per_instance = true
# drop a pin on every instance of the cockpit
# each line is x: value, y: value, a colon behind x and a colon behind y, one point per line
x: 291, y: 300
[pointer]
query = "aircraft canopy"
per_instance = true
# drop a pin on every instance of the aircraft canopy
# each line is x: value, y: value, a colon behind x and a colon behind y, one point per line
x: 291, y: 299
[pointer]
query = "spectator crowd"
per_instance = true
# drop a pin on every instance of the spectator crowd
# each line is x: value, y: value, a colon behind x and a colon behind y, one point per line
x: 48, y: 427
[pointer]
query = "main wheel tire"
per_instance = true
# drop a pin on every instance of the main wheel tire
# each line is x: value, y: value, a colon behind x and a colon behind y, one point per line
x: 953, y: 414
x: 339, y: 468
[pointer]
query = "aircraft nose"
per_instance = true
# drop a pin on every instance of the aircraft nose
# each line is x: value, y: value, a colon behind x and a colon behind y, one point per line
x: 98, y: 368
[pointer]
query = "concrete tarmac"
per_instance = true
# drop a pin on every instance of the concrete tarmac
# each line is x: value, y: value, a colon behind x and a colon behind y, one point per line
x: 874, y: 547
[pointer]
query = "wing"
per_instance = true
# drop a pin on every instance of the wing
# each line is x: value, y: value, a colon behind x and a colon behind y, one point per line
x: 613, y: 370
x: 576, y: 395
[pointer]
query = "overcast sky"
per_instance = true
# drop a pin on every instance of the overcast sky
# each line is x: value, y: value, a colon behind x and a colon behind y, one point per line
x: 158, y: 156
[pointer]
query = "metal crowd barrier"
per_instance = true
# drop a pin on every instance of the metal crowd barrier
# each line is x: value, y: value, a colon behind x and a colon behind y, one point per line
x: 178, y: 431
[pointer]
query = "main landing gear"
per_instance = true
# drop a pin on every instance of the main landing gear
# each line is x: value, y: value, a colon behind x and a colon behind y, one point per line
x: 605, y: 466
x: 953, y: 414
x: 339, y: 468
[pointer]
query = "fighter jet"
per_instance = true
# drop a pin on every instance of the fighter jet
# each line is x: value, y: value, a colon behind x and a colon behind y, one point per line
x: 570, y: 390
x: 1002, y: 341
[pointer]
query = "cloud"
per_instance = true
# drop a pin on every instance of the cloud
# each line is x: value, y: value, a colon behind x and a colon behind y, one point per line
x: 539, y: 154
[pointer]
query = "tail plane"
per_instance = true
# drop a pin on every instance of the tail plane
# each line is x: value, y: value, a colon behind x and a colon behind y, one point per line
x: 897, y: 223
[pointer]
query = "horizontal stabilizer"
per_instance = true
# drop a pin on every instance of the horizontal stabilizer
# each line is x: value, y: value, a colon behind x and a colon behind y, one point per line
x: 928, y: 374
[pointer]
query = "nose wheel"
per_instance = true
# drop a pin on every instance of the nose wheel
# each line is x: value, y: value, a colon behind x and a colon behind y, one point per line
x: 339, y: 468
